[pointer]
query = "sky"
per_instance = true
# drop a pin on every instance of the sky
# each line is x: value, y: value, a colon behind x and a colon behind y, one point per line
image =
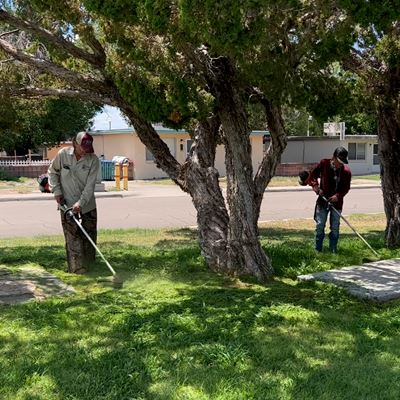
x: 109, y: 118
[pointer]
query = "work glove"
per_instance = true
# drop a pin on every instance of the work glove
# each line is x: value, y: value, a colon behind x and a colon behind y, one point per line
x: 59, y: 199
x: 76, y: 208
x: 333, y: 199
x: 317, y: 190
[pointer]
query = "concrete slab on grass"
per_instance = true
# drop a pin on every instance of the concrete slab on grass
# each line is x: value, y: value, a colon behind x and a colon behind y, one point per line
x: 378, y: 281
x: 29, y: 284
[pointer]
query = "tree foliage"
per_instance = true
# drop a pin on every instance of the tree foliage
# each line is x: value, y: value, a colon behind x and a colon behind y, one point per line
x: 28, y: 124
x: 375, y: 60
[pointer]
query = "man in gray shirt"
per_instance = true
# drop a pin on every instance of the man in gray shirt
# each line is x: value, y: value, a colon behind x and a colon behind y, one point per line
x: 72, y: 176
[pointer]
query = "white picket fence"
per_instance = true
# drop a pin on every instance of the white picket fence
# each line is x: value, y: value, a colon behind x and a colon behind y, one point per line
x: 23, y: 163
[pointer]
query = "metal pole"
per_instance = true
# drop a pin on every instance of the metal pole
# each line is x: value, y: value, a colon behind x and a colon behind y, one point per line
x: 348, y: 223
x: 125, y: 175
x: 117, y: 176
x: 91, y: 242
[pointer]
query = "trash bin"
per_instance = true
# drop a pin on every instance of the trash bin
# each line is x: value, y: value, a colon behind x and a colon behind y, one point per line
x: 107, y: 170
x: 125, y: 160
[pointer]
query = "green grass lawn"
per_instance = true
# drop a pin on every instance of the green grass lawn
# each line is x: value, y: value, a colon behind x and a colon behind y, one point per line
x: 178, y: 331
x: 18, y: 185
x: 275, y: 181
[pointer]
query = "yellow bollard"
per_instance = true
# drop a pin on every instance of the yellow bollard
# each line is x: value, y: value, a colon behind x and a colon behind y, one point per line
x: 117, y: 176
x: 125, y: 175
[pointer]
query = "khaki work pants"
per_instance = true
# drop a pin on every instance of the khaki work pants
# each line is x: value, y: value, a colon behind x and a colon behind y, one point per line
x: 80, y: 253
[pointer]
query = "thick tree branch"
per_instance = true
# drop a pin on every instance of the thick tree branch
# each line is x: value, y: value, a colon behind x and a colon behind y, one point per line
x: 9, y: 32
x: 35, y: 92
x: 150, y: 138
x: 366, y: 58
x: 73, y: 78
x: 96, y: 60
x: 272, y: 156
x: 8, y: 60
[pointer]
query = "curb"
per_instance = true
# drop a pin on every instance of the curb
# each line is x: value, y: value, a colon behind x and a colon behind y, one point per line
x: 98, y: 195
x: 305, y: 188
x: 45, y: 196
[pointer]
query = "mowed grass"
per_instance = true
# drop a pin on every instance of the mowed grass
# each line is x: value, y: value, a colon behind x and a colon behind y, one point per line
x: 276, y: 181
x: 20, y: 185
x: 178, y: 331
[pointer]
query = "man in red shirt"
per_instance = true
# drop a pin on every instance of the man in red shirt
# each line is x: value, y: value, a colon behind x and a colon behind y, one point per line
x: 330, y: 179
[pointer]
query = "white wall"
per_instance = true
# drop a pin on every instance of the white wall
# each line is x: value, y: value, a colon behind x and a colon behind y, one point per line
x: 129, y: 145
x: 308, y: 149
x: 311, y: 150
x: 362, y: 167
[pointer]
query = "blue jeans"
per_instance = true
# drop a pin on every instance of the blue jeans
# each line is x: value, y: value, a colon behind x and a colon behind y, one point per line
x: 320, y: 217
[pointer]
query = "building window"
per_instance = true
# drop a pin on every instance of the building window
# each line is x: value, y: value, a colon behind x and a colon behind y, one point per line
x: 266, y: 141
x: 149, y: 155
x: 357, y: 151
x: 375, y: 155
x: 171, y: 145
x: 189, y: 143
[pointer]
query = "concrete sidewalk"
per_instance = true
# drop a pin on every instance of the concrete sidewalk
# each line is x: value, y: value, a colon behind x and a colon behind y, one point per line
x: 147, y: 189
x: 377, y: 281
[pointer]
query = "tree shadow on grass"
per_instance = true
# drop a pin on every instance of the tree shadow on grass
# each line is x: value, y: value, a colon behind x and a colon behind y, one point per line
x: 174, y: 260
x: 291, y: 252
x: 284, y: 341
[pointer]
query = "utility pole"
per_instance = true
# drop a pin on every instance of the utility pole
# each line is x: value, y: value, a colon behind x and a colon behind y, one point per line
x: 308, y: 124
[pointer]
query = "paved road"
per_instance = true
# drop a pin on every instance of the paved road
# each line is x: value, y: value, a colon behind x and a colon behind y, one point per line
x: 162, y: 207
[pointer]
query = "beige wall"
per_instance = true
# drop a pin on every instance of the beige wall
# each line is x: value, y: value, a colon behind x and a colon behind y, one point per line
x: 129, y: 145
x: 257, y: 151
x: 52, y: 151
x: 298, y: 150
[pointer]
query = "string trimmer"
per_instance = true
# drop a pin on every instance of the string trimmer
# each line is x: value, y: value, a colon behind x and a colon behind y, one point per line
x: 303, y: 181
x: 69, y: 214
x: 348, y: 224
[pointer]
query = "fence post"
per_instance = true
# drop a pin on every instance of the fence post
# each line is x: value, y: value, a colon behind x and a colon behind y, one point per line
x: 117, y: 176
x: 125, y: 175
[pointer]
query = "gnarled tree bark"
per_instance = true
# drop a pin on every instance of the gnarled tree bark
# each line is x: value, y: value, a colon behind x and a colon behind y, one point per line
x: 201, y: 180
x: 389, y: 152
x: 244, y: 253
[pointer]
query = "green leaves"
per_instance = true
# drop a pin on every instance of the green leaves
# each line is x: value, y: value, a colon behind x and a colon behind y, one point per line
x: 27, y: 124
x: 116, y: 10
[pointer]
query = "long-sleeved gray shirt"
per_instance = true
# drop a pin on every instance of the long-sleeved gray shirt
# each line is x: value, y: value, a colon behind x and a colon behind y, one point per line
x: 74, y: 179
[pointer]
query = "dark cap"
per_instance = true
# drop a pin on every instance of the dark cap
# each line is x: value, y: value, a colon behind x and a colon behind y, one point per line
x: 341, y: 154
x: 85, y: 141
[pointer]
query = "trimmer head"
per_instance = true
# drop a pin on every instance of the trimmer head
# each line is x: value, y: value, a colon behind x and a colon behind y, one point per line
x: 303, y: 177
x: 115, y: 280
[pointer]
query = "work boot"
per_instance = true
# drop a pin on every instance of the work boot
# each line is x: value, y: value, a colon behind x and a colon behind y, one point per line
x: 318, y: 244
x: 333, y: 245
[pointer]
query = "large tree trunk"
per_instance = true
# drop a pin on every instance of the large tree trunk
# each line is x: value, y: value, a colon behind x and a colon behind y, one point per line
x: 198, y: 177
x: 201, y: 178
x: 389, y: 152
x: 245, y: 255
